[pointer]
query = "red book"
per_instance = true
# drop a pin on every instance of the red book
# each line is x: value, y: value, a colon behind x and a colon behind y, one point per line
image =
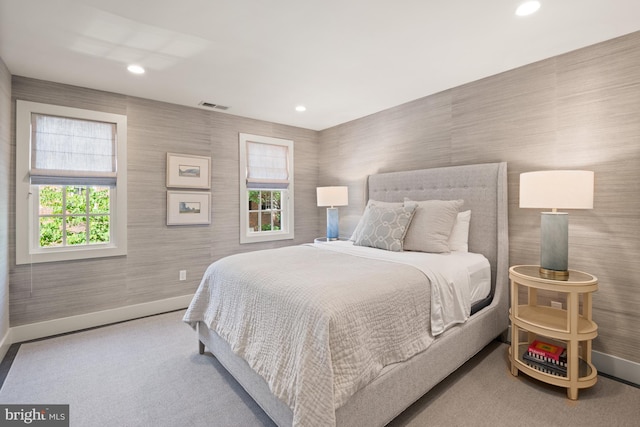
x: 543, y: 349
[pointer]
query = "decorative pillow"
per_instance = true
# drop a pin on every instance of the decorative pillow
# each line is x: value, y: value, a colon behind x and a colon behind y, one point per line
x: 431, y: 226
x: 385, y: 227
x: 356, y: 232
x: 459, y: 238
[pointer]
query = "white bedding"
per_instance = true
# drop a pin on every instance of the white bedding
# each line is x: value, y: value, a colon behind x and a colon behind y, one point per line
x: 462, y: 278
x: 339, y: 315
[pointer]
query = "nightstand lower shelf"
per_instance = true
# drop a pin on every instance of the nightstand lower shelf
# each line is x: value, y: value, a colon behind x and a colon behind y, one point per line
x: 587, y: 374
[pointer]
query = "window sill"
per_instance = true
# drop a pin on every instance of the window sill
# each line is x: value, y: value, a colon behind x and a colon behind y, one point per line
x: 69, y: 254
x: 266, y: 237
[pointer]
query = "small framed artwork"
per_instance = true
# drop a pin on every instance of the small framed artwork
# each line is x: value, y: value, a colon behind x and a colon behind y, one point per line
x: 188, y: 207
x: 186, y: 171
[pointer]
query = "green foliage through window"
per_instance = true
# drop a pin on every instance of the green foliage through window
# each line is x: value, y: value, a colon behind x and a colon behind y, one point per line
x: 265, y: 210
x: 85, y: 218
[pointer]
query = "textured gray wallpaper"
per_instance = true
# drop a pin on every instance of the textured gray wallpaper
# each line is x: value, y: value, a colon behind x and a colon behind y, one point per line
x: 580, y: 110
x: 156, y: 252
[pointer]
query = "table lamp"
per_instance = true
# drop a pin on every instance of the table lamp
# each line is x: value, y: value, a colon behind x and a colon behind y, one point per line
x: 332, y: 197
x: 560, y: 189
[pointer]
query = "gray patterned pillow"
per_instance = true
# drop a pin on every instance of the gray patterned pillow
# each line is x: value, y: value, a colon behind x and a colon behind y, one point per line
x: 361, y: 223
x: 385, y: 227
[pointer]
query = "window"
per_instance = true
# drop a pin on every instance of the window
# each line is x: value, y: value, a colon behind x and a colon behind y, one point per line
x: 70, y: 192
x: 266, y: 188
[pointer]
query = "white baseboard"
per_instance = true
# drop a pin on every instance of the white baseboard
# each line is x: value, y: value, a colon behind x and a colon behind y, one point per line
x: 83, y: 321
x: 616, y: 367
x: 5, y: 343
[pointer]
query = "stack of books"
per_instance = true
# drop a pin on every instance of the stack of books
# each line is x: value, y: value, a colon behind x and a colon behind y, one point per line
x: 548, y: 358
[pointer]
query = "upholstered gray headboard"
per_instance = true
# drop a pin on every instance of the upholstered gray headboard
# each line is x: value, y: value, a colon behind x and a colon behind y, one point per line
x: 483, y: 187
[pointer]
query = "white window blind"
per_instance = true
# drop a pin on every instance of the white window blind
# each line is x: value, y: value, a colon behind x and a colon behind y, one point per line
x: 68, y: 151
x: 267, y: 165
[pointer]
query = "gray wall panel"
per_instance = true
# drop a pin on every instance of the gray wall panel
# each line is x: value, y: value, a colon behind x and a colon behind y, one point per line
x: 156, y: 252
x: 578, y: 110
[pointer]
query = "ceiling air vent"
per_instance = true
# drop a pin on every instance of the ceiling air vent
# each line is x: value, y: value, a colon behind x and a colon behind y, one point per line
x: 212, y: 105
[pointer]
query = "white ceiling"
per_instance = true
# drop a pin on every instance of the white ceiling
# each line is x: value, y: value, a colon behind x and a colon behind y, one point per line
x: 342, y: 59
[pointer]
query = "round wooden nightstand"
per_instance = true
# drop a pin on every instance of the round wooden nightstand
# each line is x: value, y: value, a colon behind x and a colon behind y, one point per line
x: 569, y: 328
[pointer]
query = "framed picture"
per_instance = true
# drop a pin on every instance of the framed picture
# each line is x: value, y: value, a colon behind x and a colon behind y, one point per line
x: 186, y: 171
x: 188, y: 207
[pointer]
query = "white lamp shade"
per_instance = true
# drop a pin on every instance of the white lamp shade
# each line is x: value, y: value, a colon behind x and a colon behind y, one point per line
x: 562, y: 189
x: 332, y: 196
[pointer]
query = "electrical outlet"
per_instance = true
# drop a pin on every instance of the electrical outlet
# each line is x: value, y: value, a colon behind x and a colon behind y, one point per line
x: 556, y: 304
x: 183, y: 274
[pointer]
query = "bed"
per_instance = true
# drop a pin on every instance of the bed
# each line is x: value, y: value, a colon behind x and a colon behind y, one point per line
x: 302, y: 372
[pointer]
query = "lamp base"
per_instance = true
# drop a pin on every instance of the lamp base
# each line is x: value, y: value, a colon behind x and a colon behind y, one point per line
x: 553, y: 274
x: 332, y: 224
x: 554, y: 241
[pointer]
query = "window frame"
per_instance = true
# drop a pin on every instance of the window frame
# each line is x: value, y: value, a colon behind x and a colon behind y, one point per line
x: 28, y: 249
x: 287, y: 220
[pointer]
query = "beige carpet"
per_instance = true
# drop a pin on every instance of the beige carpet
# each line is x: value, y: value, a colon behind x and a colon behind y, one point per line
x: 484, y: 393
x: 148, y: 372
x: 145, y: 372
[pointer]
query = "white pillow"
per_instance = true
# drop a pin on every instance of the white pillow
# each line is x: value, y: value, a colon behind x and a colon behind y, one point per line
x: 431, y: 225
x: 459, y: 238
x: 356, y: 232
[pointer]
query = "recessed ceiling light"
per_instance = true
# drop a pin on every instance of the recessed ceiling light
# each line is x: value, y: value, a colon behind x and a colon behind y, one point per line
x: 135, y: 69
x: 527, y: 8
x: 301, y: 108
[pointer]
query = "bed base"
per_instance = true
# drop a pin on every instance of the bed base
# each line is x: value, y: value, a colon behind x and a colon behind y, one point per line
x: 391, y: 392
